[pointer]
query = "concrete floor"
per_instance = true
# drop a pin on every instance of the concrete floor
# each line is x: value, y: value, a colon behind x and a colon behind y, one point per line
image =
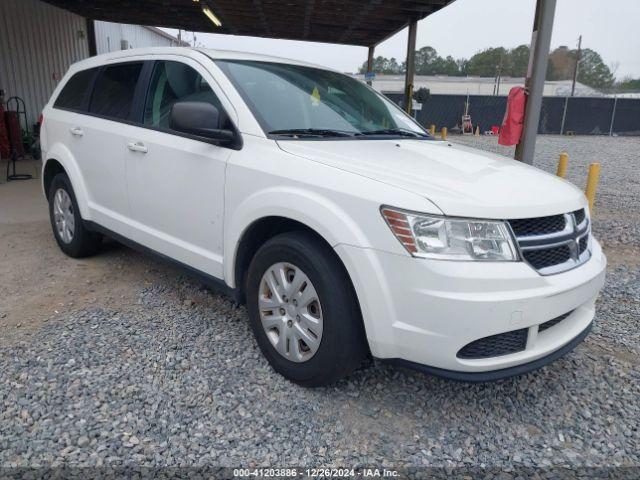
x: 22, y: 202
x: 38, y: 282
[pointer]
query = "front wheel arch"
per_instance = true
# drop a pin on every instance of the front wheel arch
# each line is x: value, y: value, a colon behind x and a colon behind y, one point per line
x: 266, y: 228
x: 344, y: 342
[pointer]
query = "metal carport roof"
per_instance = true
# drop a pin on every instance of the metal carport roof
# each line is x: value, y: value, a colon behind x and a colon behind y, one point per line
x: 352, y: 22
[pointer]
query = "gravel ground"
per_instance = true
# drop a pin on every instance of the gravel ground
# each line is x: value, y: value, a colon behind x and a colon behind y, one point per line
x: 174, y: 378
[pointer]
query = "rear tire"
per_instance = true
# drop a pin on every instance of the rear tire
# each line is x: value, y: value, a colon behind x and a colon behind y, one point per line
x: 336, y: 339
x: 73, y: 238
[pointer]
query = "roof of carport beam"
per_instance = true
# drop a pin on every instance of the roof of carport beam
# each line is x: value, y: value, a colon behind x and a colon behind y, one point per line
x: 351, y: 22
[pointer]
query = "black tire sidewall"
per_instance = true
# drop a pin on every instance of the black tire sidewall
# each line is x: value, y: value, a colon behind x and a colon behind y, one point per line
x: 83, y: 242
x: 341, y: 347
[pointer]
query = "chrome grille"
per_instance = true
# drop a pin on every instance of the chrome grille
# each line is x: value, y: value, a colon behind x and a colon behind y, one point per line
x: 553, y: 244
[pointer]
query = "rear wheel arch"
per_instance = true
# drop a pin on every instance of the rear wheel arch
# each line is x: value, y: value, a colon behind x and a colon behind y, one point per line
x: 60, y: 160
x: 52, y: 167
x: 73, y: 237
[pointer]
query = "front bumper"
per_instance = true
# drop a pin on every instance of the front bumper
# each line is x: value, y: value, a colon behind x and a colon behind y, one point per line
x: 421, y: 312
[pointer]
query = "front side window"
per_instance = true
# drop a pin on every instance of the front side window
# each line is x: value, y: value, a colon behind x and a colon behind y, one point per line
x: 293, y: 99
x: 114, y: 91
x: 74, y: 94
x: 173, y: 82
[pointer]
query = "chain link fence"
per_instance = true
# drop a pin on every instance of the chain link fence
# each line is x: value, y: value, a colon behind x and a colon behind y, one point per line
x: 559, y: 115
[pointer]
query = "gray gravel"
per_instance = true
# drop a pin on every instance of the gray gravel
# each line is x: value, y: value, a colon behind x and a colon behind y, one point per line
x: 179, y: 381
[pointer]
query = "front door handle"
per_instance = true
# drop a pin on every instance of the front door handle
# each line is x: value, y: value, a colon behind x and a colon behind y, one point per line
x: 137, y: 147
x: 76, y: 131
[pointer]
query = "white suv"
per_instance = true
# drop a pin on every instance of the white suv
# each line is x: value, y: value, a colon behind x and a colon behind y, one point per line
x: 347, y: 230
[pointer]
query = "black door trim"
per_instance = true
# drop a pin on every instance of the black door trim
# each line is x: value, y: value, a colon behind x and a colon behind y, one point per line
x: 209, y: 280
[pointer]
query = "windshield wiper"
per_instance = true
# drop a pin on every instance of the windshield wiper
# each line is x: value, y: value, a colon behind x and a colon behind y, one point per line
x: 396, y: 132
x: 312, y: 132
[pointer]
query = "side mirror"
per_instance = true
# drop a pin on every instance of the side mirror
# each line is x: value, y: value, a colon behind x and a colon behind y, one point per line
x: 199, y: 119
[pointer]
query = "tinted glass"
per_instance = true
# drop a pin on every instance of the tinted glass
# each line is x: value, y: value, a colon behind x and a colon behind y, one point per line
x: 74, y: 94
x: 114, y: 90
x: 176, y: 82
x: 284, y: 96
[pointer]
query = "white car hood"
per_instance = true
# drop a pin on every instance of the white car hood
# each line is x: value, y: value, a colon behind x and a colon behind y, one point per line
x: 461, y: 181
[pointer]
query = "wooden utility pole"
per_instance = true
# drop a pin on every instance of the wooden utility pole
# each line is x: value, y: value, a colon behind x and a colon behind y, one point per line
x: 575, y: 68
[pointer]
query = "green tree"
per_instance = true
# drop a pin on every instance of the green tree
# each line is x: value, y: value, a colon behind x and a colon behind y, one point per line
x: 427, y: 61
x: 510, y: 63
x: 629, y: 83
x: 383, y: 65
x: 462, y: 66
x: 447, y: 66
x: 518, y: 61
x: 593, y: 71
x: 487, y: 62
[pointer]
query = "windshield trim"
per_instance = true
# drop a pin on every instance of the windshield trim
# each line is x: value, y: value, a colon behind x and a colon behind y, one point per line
x: 222, y: 64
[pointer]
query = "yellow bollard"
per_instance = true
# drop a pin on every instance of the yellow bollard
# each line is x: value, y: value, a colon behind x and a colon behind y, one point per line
x: 592, y: 184
x: 443, y: 134
x: 477, y: 134
x: 563, y: 163
x: 432, y: 130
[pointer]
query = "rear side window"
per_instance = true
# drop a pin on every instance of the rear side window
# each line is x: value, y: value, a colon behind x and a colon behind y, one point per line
x: 173, y: 82
x: 114, y: 91
x: 75, y: 93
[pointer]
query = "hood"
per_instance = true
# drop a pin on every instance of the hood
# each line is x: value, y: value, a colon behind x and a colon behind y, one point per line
x: 461, y: 181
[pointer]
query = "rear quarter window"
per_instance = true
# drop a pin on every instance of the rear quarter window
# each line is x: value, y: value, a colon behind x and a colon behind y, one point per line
x: 114, y: 91
x: 75, y: 94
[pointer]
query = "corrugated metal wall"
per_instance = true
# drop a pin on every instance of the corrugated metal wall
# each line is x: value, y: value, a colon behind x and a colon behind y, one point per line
x: 110, y: 35
x: 38, y: 43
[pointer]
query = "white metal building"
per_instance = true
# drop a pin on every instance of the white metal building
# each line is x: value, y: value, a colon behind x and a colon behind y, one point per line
x: 442, y: 84
x: 118, y: 36
x: 38, y: 43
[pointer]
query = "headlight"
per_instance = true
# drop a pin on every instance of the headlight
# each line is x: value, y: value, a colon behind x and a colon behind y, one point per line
x: 445, y: 238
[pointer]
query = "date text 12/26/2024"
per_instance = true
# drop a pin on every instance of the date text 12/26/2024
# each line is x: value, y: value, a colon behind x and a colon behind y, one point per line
x: 314, y: 473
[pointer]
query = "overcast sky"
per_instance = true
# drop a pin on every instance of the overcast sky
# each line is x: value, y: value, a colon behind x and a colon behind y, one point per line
x: 467, y: 26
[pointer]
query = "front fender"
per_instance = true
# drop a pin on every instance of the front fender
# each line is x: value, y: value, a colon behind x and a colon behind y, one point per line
x: 60, y: 153
x: 317, y: 212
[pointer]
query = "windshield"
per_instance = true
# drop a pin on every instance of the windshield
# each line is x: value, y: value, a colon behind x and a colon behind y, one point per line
x: 300, y: 101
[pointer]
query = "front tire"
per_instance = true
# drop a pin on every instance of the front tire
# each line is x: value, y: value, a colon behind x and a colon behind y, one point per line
x: 303, y: 310
x: 68, y: 229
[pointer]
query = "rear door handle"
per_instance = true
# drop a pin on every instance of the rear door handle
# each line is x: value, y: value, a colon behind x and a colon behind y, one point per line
x: 76, y: 131
x: 137, y: 147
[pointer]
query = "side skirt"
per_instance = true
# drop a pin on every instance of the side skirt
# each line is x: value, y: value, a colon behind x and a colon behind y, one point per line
x: 210, y: 281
